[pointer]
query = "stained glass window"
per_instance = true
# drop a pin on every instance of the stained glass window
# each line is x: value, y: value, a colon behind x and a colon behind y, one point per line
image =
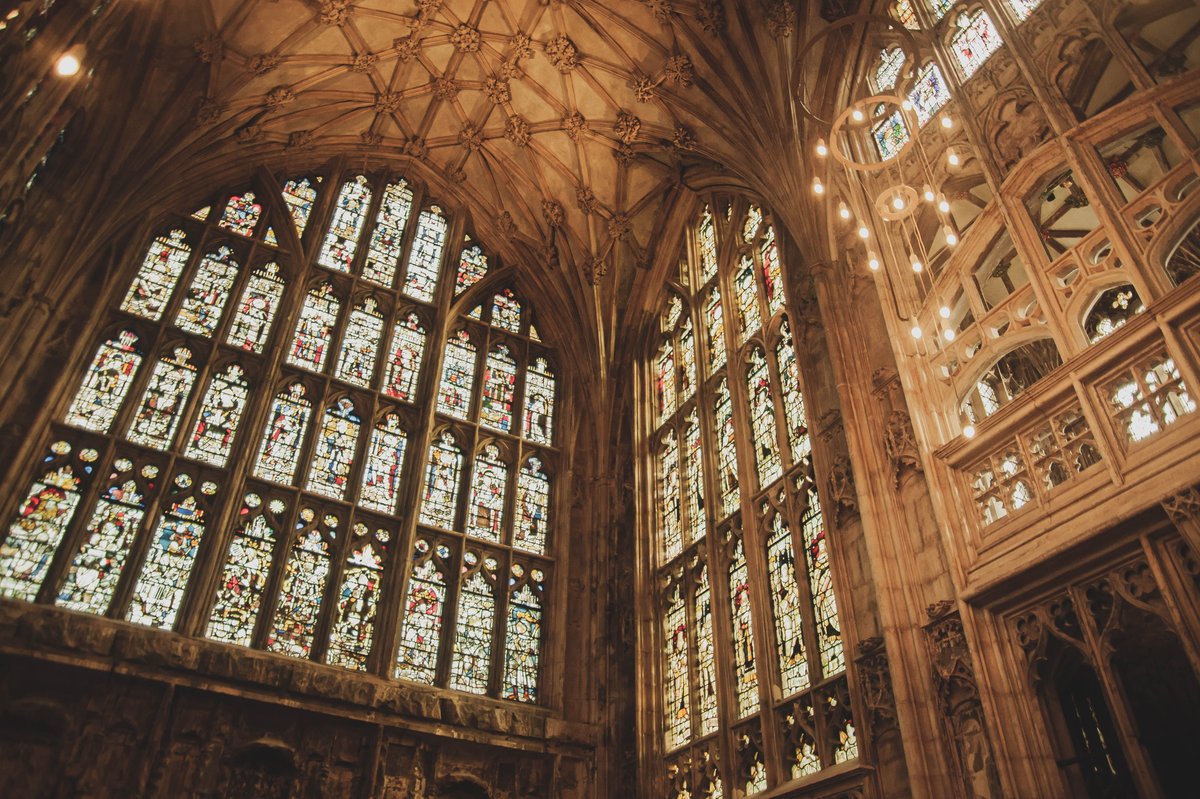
x: 890, y: 136
x: 202, y: 213
x: 929, y: 92
x: 241, y: 214
x: 472, y: 266
x: 171, y: 555
x: 706, y: 664
x: 205, y: 299
x: 303, y: 590
x: 539, y: 403
x: 746, y: 294
x: 745, y: 671
x: 531, y: 529
x: 108, y: 379
x: 694, y: 487
x: 348, y: 218
x: 404, y: 358
x: 975, y: 41
x: 385, y: 249
x: 421, y: 630
x: 506, y: 311
x: 772, y: 272
x: 708, y: 246
x: 314, y: 329
x: 714, y: 320
x: 522, y: 645
x: 1023, y: 8
x: 442, y: 477
x: 678, y: 720
x: 793, y: 398
x: 155, y: 281
x: 279, y: 453
x: 458, y: 376
x: 664, y: 381
x: 762, y: 419
x: 785, y: 604
x: 754, y: 218
x: 163, y: 401
x: 269, y: 237
x: 471, y: 664
x: 687, y: 362
x: 333, y: 451
x: 299, y: 195
x: 256, y: 311
x: 247, y: 568
x: 360, y: 344
x: 357, y: 599
x: 903, y: 11
x: 726, y: 435
x: 670, y: 526
x: 940, y: 7
x: 829, y: 630
x: 888, y: 69
x: 425, y: 258
x: 499, y: 383
x: 384, y: 465
x: 485, y: 513
x: 220, y: 412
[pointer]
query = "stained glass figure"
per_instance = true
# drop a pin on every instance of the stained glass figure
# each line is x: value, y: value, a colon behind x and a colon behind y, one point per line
x: 201, y: 214
x: 675, y: 702
x: 754, y: 218
x: 476, y: 312
x: 256, y: 310
x: 726, y: 435
x: 220, y: 413
x: 829, y: 630
x: 929, y: 92
x: 341, y: 241
x: 420, y: 279
x: 538, y: 425
x: 169, y: 560
x: 714, y: 321
x: 664, y: 381
x: 693, y: 490
x: 314, y: 329
x: 772, y: 272
x: 279, y: 453
x: 499, y: 383
x: 247, y: 568
x: 706, y: 664
x: 686, y: 347
x: 241, y: 214
x: 785, y: 604
x: 470, y: 665
x: 106, y: 382
x: 523, y: 640
x: 472, y: 266
x: 458, y: 376
x: 303, y: 589
x: 707, y: 233
x: 357, y: 598
x: 41, y: 521
x: 888, y: 69
x: 485, y: 514
x: 745, y: 671
x: 443, y: 474
x: 163, y: 402
x: 384, y: 465
x: 299, y: 195
x: 96, y: 567
x: 506, y: 311
x: 762, y: 419
x: 269, y: 237
x: 890, y: 135
x: 360, y: 344
x: 793, y: 398
x: 151, y: 289
x: 746, y: 293
x: 976, y: 40
x: 421, y: 630
x: 670, y: 525
x: 333, y: 451
x: 940, y: 7
x: 531, y: 529
x: 205, y: 299
x: 671, y: 316
x: 404, y: 358
x: 1023, y: 8
x: 386, y: 246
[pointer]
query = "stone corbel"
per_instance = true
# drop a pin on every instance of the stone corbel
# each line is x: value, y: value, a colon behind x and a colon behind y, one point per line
x: 1183, y: 509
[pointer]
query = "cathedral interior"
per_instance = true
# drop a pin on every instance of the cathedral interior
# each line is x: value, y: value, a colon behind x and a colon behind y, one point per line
x: 597, y: 399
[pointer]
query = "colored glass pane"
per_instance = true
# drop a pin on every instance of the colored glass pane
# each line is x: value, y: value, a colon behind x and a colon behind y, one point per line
x: 420, y: 279
x: 349, y: 215
x: 816, y: 546
x: 726, y: 435
x: 786, y: 607
x: 499, y: 383
x: 471, y: 663
x: 929, y: 92
x: 745, y: 671
x: 538, y: 425
x: 151, y: 289
x: 220, y: 412
x: 485, y: 513
x: 357, y: 600
x: 975, y: 41
x: 404, y: 359
x: 256, y: 310
x: 762, y: 419
x: 472, y: 266
x: 890, y: 136
x: 299, y: 195
x: 360, y: 344
x: 675, y: 702
x: 714, y: 322
x: 693, y: 490
x: 333, y: 451
x: 205, y: 299
x: 506, y: 311
x: 772, y: 272
x: 903, y: 11
x: 247, y: 568
x: 163, y: 401
x: 106, y: 382
x: 314, y: 329
x: 671, y: 316
x: 458, y: 376
x: 241, y: 214
x: 385, y: 248
x: 706, y: 663
x: 303, y: 590
x: 940, y: 7
x: 522, y: 645
x: 686, y: 347
x: 531, y: 529
x: 754, y: 218
x: 746, y: 293
x: 279, y: 453
x: 1023, y: 8
x: 202, y: 213
x: 793, y: 398
x: 670, y: 526
x: 443, y: 474
x: 421, y: 630
x: 707, y: 232
x: 384, y: 466
x: 664, y: 381
x: 269, y: 237
x: 888, y: 68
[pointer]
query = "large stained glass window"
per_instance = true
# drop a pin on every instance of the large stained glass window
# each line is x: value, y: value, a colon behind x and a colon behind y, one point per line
x: 929, y: 92
x: 678, y: 721
x: 888, y: 68
x: 249, y: 409
x: 976, y: 40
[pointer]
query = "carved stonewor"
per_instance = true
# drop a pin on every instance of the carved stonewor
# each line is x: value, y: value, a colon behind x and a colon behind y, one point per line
x: 841, y: 490
x: 900, y: 443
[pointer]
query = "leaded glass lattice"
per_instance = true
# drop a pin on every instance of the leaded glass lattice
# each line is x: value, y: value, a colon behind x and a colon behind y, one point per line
x: 163, y: 401
x: 256, y: 310
x: 357, y: 599
x: 793, y: 398
x: 204, y: 301
x: 425, y: 257
x: 247, y: 568
x: 106, y: 382
x: 1022, y: 9
x: 241, y: 214
x: 470, y: 665
x: 443, y: 472
x: 523, y: 636
x: 762, y: 419
x: 279, y: 453
x: 155, y: 281
x: 299, y: 195
x: 219, y: 416
x: 746, y: 294
x: 929, y: 92
x: 485, y: 512
x: 786, y: 607
x: 404, y: 358
x: 531, y: 529
x: 314, y: 330
x: 506, y: 311
x: 458, y: 377
x: 678, y: 714
x: 349, y: 215
x: 706, y: 663
x: 670, y: 524
x: 664, y: 381
x: 707, y: 233
x: 829, y: 631
x: 472, y: 266
x: 772, y: 272
x: 888, y: 69
x: 360, y: 344
x: 499, y: 383
x: 976, y: 40
x: 714, y: 321
x: 693, y: 490
x: 303, y: 590
x: 687, y: 362
x: 384, y: 465
x: 421, y: 631
x: 538, y: 425
x: 726, y: 435
x: 385, y: 249
x: 742, y: 616
x: 333, y: 450
x: 890, y: 135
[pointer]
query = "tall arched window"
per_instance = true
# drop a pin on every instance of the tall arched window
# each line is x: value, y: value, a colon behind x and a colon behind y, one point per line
x: 751, y: 638
x: 271, y: 443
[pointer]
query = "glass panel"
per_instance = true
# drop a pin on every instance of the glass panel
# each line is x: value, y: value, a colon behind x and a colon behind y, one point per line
x: 746, y: 294
x: 670, y: 527
x: 346, y: 226
x: 333, y: 451
x: 664, y: 381
x: 279, y: 453
x: 163, y: 402
x: 785, y: 602
x: 793, y: 399
x: 745, y: 673
x: 714, y: 319
x: 256, y: 311
x: 1023, y: 8
x: 299, y: 196
x: 485, y: 514
x: 241, y: 214
x: 772, y: 272
x: 313, y: 338
x: 386, y: 246
x: 205, y: 299
x: 706, y: 664
x: 754, y: 218
x: 888, y: 69
x: 829, y: 633
x: 404, y: 359
x: 471, y: 665
x: 107, y: 381
x: 929, y: 93
x: 442, y: 477
x: 384, y: 467
x: 708, y: 246
x: 220, y: 413
x: 357, y: 600
x: 151, y: 290
x: 472, y: 266
x: 694, y: 488
x: 303, y: 588
x: 420, y: 279
x: 360, y: 344
x: 421, y: 630
x: 726, y: 450
x: 506, y: 311
x: 533, y: 508
x: 458, y: 376
x: 675, y: 701
x: 762, y: 419
x: 890, y: 136
x: 522, y: 645
x: 687, y: 362
x: 499, y: 383
x: 976, y: 40
x: 247, y: 568
x: 539, y: 403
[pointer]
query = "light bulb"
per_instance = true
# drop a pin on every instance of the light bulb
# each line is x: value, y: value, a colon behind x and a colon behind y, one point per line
x: 857, y: 115
x: 943, y: 204
x: 951, y: 237
x: 944, y: 312
x: 917, y: 266
x: 863, y: 233
x: 948, y: 334
x: 952, y: 157
x: 818, y: 186
x: 843, y: 211
x: 947, y: 122
x: 916, y: 331
x: 67, y: 65
x: 822, y: 150
x: 969, y: 431
x: 898, y: 203
x: 929, y: 196
x: 873, y: 261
